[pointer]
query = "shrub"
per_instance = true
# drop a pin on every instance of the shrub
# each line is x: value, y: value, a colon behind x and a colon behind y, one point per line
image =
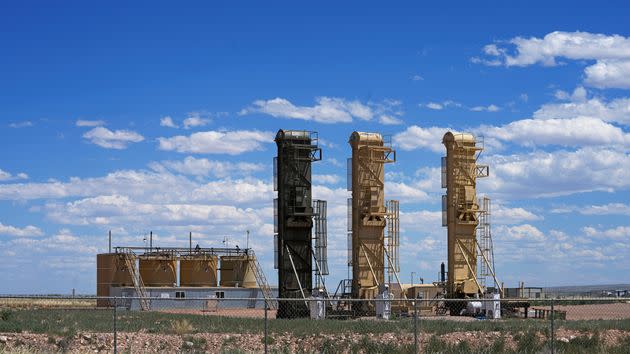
x: 182, y: 327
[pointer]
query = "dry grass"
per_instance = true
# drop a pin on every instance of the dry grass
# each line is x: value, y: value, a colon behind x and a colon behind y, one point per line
x: 29, y: 303
x: 182, y: 327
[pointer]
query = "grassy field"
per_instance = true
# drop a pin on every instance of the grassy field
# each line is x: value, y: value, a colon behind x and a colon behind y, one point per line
x: 101, y: 320
x: 358, y: 335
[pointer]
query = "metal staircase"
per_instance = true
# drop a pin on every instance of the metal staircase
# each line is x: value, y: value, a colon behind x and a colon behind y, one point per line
x: 343, y: 291
x: 261, y: 280
x: 138, y: 284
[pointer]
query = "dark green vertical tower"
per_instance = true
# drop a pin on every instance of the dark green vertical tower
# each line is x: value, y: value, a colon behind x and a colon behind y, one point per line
x: 294, y: 218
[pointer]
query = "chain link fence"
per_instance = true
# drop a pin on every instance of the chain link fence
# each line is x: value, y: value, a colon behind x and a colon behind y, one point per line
x: 215, y: 325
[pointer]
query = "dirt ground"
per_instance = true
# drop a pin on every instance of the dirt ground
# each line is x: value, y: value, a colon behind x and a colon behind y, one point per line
x: 240, y: 312
x: 253, y: 343
x: 616, y: 311
x: 574, y: 312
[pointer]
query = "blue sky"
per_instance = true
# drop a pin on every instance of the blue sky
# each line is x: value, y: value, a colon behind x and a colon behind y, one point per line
x: 161, y: 117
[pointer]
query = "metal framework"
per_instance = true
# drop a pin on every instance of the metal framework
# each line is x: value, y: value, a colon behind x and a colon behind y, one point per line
x: 461, y: 212
x: 486, y: 248
x: 392, y: 239
x: 183, y: 251
x: 294, y: 217
x: 485, y: 242
x: 138, y: 284
x: 320, y: 237
x: 370, y: 153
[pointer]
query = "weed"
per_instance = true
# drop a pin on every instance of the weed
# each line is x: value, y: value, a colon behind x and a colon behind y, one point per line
x: 182, y: 327
x: 368, y: 346
x: 435, y: 345
x: 498, y: 346
x: 528, y: 342
x: 270, y: 340
x: 329, y: 346
x: 199, y: 343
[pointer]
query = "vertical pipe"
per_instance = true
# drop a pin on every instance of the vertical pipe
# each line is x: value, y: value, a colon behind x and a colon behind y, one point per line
x: 115, y: 329
x: 190, y: 242
x: 415, y: 325
x: 110, y: 241
x: 553, y: 335
x: 151, y: 241
x: 266, y: 328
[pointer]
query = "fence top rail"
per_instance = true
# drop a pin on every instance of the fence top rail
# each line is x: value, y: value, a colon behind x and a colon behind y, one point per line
x: 431, y: 300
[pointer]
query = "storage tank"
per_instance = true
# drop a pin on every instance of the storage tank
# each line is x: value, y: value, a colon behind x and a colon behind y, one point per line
x: 111, y: 270
x: 236, y: 271
x: 158, y: 270
x: 198, y: 270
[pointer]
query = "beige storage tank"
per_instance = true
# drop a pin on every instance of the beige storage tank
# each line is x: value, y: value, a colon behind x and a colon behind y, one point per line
x: 158, y: 270
x: 198, y: 270
x: 111, y: 270
x: 236, y: 271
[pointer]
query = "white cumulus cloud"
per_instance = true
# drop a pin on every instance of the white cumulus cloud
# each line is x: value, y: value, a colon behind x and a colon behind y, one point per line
x: 611, y: 54
x: 117, y: 139
x: 616, y: 110
x: 326, y: 110
x: 6, y: 176
x: 28, y: 231
x: 195, y: 119
x: 217, y: 142
x: 416, y: 137
x: 204, y: 167
x: 580, y: 131
x: 489, y: 108
x: 167, y: 121
x: 89, y: 123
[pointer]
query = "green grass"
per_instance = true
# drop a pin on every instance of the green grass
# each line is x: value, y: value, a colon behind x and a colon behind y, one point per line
x: 67, y: 323
x: 60, y: 322
x: 591, y: 325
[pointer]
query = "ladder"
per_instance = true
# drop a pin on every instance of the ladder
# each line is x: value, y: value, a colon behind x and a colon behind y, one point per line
x: 343, y: 291
x: 138, y: 284
x: 261, y: 280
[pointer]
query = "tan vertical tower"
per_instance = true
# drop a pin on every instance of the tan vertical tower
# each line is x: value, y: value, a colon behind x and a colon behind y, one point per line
x: 460, y: 212
x: 369, y: 155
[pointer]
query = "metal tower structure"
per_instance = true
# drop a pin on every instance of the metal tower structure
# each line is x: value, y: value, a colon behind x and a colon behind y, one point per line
x: 320, y: 236
x: 484, y: 240
x: 486, y: 248
x: 294, y: 218
x: 460, y: 212
x: 392, y: 241
x: 369, y: 155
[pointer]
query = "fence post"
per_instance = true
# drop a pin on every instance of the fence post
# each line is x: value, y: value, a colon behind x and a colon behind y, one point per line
x: 115, y: 329
x: 415, y: 326
x: 553, y: 334
x: 266, y: 307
